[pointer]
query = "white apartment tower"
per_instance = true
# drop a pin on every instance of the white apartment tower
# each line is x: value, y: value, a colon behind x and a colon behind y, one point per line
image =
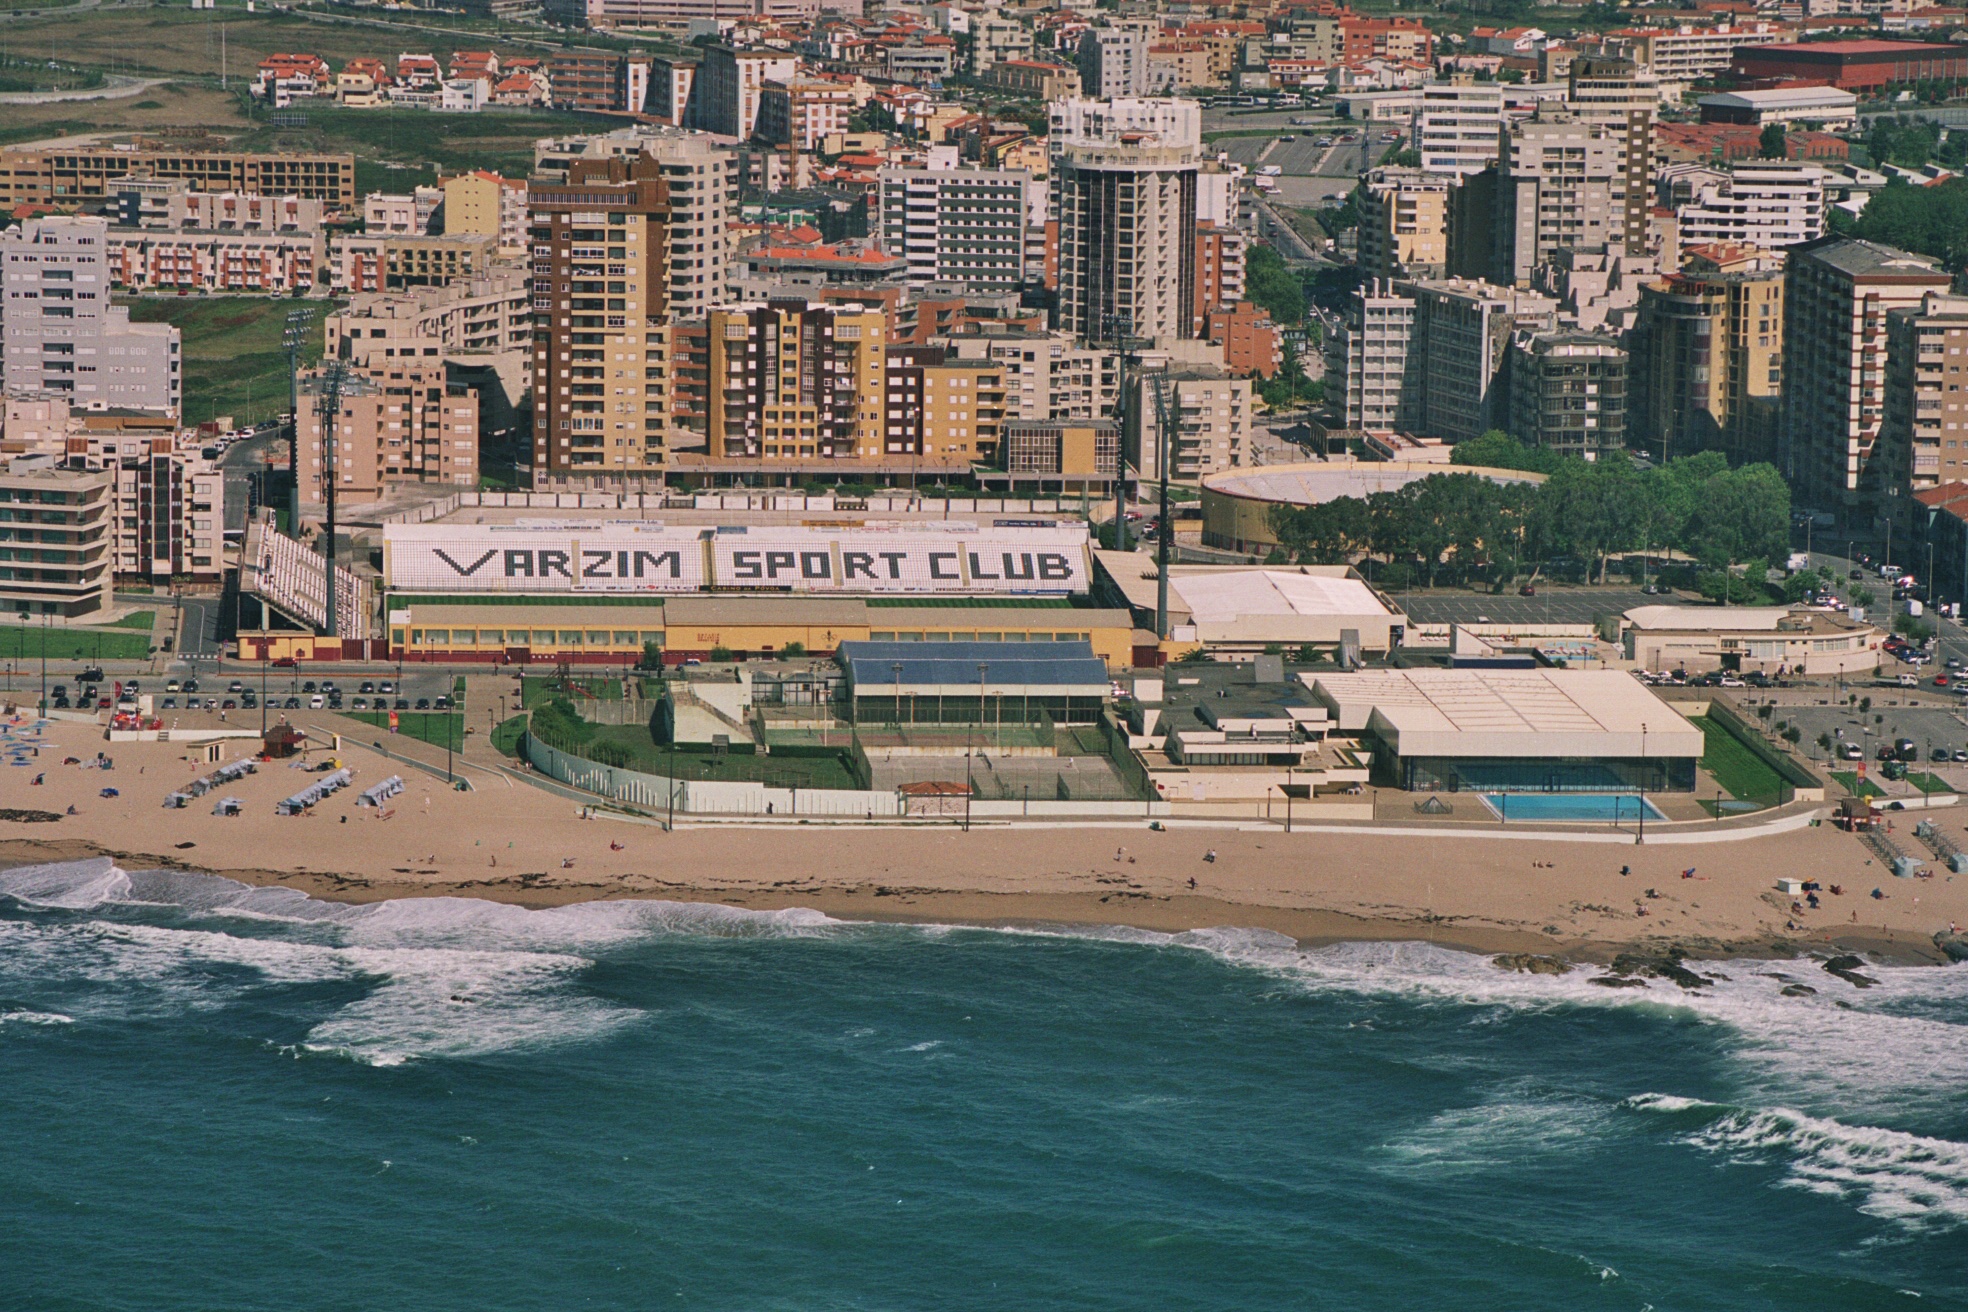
x: 1125, y: 201
x: 59, y: 333
x: 957, y: 225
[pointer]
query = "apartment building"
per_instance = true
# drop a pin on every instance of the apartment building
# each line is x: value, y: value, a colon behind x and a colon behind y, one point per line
x: 1768, y: 203
x: 1568, y: 393
x: 1201, y: 426
x: 804, y: 112
x: 1114, y: 62
x: 1218, y: 269
x: 1404, y: 223
x: 1555, y: 190
x: 74, y: 175
x: 1923, y: 437
x: 362, y: 263
x: 1462, y: 330
x: 1083, y: 451
x: 948, y: 411
x: 1380, y: 367
x: 1624, y: 100
x: 724, y: 96
x: 484, y: 204
x: 601, y: 271
x: 1837, y: 294
x: 59, y: 332
x: 492, y: 312
x: 1689, y: 52
x: 994, y: 39
x: 955, y: 224
x: 1707, y: 364
x: 272, y: 263
x: 1459, y: 124
x: 171, y: 205
x: 56, y: 553
x: 1251, y: 342
x: 1047, y: 376
x: 1033, y: 78
x: 400, y: 214
x: 585, y: 80
x: 169, y: 518
x: 797, y: 380
x: 1125, y: 202
x: 404, y: 423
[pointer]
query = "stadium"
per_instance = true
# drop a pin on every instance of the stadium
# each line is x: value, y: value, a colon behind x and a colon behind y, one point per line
x: 613, y: 591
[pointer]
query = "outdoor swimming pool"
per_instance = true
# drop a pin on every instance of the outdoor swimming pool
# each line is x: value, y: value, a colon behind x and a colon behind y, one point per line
x: 1606, y: 808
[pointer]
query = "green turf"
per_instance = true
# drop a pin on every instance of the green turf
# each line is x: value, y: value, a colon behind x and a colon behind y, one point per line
x: 234, y: 362
x: 506, y: 736
x: 1929, y: 783
x: 535, y: 690
x: 425, y: 726
x: 139, y: 619
x: 1734, y: 766
x: 27, y: 644
x: 1849, y: 780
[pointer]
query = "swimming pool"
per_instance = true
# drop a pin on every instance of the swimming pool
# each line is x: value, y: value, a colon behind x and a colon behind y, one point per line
x: 1606, y: 808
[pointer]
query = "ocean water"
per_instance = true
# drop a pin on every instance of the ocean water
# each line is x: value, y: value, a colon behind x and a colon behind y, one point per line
x: 215, y: 1097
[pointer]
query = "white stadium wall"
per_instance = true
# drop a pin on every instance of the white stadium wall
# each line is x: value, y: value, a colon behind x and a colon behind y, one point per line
x: 647, y: 558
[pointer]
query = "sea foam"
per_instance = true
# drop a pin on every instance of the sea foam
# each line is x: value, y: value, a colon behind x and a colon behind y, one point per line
x: 1918, y: 1182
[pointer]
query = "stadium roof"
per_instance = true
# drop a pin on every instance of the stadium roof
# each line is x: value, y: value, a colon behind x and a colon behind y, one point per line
x: 958, y: 668
x: 1315, y: 483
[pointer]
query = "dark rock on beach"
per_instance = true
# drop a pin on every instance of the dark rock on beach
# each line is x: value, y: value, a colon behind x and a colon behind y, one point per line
x: 1530, y: 963
x: 1799, y: 991
x: 1665, y: 966
x: 1847, y: 968
x: 1954, y: 946
x: 1617, y: 982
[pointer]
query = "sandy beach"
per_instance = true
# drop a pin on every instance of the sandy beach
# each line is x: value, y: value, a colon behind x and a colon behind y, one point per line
x: 515, y: 843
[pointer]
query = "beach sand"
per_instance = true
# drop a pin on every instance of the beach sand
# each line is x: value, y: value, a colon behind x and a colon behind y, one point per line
x: 515, y: 843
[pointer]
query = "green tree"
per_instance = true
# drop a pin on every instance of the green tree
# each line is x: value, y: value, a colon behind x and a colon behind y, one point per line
x: 1497, y: 449
x: 1772, y: 143
x: 1268, y: 283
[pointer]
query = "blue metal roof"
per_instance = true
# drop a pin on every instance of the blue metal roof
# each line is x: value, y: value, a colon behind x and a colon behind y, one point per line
x: 871, y: 666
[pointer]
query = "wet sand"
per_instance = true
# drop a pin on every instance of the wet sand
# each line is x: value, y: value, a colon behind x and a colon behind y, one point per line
x: 514, y: 843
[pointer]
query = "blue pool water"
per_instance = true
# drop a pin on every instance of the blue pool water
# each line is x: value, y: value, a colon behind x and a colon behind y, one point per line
x: 222, y: 1099
x: 1607, y: 807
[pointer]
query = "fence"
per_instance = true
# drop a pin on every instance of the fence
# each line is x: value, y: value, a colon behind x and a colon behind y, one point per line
x: 705, y: 797
x: 1799, y: 783
x: 678, y: 499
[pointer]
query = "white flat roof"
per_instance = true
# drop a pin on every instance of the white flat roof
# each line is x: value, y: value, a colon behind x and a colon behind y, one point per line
x: 1706, y: 619
x: 1220, y: 598
x: 1781, y: 97
x: 1508, y: 713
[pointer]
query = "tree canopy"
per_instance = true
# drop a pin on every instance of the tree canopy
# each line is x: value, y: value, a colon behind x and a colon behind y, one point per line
x: 1453, y: 526
x: 1267, y: 282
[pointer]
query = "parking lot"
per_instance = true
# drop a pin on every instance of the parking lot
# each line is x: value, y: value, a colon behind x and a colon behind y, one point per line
x: 296, y: 690
x: 1549, y: 606
x: 1928, y: 726
x: 1302, y: 156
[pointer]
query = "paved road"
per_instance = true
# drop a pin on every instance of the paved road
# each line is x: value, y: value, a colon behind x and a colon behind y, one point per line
x: 115, y: 87
x: 1550, y: 606
x: 242, y: 463
x: 1273, y: 228
x: 198, y: 630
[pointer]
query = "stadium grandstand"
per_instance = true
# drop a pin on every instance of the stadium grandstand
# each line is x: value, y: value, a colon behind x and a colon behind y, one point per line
x: 290, y: 578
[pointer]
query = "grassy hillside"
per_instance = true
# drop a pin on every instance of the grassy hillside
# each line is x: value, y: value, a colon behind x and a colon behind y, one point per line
x: 234, y: 363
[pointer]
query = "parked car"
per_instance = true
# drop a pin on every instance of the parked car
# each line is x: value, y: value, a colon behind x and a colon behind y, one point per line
x: 293, y: 703
x: 1852, y: 752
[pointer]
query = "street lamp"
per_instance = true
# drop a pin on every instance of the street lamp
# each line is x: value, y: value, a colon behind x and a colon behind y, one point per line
x: 970, y: 738
x: 1641, y: 837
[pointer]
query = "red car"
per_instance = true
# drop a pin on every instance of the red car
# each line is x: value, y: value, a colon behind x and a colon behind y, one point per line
x: 285, y: 663
x: 1940, y: 681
